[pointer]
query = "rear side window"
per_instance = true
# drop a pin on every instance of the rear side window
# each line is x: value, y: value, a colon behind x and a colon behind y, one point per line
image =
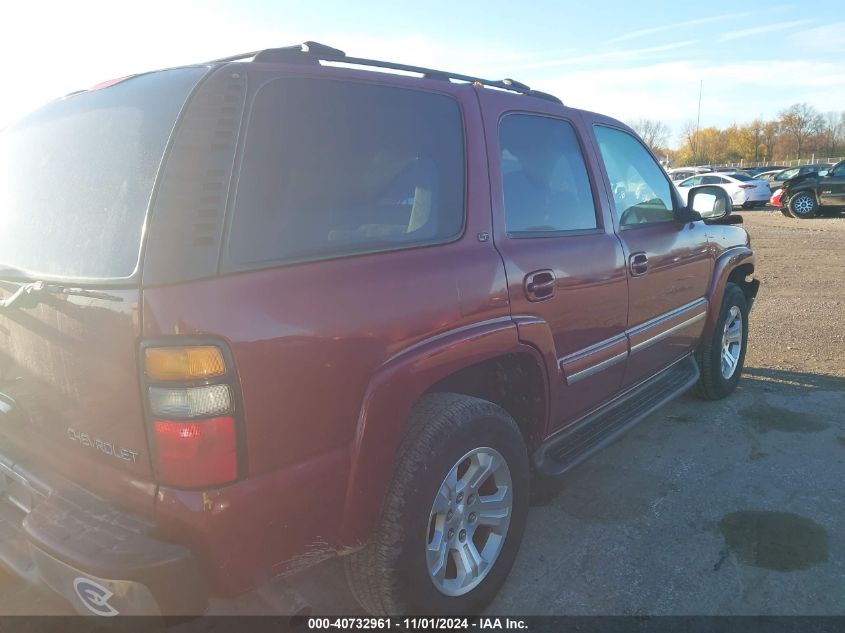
x: 333, y: 168
x: 544, y: 178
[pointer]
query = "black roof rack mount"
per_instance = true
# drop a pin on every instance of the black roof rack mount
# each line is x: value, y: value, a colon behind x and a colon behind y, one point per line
x: 314, y: 52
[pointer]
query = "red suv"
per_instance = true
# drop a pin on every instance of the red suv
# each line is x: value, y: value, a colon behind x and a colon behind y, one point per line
x: 267, y: 310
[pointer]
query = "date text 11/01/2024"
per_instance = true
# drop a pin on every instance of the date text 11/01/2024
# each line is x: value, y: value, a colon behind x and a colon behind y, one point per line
x: 417, y: 624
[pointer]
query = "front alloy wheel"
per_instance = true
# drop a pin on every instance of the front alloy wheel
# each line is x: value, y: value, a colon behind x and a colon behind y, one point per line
x: 721, y: 355
x: 731, y: 342
x: 803, y: 206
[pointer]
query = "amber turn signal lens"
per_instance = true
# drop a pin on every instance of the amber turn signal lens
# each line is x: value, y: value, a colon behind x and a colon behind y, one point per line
x: 183, y: 363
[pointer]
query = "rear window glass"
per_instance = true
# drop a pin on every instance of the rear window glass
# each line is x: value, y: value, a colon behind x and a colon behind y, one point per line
x: 740, y: 177
x: 76, y: 177
x: 333, y: 168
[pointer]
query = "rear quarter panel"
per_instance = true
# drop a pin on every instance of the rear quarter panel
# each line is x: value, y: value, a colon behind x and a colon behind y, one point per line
x: 311, y: 343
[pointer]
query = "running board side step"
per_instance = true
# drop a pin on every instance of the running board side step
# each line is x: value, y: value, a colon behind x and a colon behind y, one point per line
x: 580, y: 441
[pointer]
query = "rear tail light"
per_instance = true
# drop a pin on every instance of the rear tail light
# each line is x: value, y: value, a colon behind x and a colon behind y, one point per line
x: 192, y: 398
x: 183, y: 363
x: 191, y: 402
x: 196, y: 453
x: 748, y: 186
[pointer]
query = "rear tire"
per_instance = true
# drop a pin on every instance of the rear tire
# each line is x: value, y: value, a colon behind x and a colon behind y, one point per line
x: 803, y: 206
x: 414, y: 563
x: 722, y: 356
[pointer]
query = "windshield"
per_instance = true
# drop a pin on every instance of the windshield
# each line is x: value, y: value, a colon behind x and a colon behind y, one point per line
x: 76, y: 177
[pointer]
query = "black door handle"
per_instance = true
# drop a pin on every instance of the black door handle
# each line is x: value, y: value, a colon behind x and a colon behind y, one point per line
x: 638, y: 263
x: 539, y: 285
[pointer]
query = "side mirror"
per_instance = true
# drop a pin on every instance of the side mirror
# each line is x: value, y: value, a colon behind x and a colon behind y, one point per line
x: 710, y: 202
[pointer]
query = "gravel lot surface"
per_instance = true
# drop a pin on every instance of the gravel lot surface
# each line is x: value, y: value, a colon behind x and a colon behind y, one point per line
x: 729, y: 507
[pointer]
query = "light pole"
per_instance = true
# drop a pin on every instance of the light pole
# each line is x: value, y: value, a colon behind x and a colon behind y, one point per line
x: 698, y: 123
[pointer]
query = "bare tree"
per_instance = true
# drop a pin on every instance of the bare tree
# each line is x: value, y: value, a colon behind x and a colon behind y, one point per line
x: 771, y: 130
x: 834, y: 130
x: 756, y: 129
x: 801, y: 121
x: 689, y: 139
x: 654, y: 133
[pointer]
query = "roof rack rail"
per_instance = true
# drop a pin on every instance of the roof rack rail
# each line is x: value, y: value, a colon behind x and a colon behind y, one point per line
x: 314, y: 52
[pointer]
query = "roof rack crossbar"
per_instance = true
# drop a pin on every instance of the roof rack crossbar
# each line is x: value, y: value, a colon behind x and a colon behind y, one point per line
x: 322, y: 52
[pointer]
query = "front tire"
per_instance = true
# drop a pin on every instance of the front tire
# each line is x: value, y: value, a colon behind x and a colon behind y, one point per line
x: 454, y: 514
x: 722, y: 356
x: 803, y: 206
x: 785, y: 210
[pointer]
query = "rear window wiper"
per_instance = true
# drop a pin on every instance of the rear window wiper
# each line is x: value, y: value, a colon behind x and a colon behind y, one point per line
x: 29, y: 295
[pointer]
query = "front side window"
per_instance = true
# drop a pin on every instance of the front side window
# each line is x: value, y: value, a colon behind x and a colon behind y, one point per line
x: 628, y: 162
x: 334, y: 168
x: 544, y: 179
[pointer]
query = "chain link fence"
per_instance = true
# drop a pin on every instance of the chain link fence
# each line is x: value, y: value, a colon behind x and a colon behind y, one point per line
x: 786, y: 163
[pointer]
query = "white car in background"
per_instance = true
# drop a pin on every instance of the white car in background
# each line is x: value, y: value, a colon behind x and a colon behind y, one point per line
x: 744, y: 190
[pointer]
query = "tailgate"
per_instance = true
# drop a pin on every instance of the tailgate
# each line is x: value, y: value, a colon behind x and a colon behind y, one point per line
x: 70, y: 395
x: 76, y: 180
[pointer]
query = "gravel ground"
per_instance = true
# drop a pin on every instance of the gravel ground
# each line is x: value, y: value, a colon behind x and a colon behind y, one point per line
x: 729, y: 507
x: 799, y: 320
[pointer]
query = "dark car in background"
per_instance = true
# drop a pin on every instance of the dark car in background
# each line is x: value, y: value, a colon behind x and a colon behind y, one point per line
x: 754, y: 171
x: 815, y: 193
x: 776, y: 181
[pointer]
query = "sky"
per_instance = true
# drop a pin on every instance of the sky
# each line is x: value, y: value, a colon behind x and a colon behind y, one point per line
x: 630, y: 60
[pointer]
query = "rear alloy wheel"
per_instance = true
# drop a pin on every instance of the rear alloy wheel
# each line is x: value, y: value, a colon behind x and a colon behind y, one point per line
x: 469, y: 521
x: 803, y: 206
x: 454, y: 515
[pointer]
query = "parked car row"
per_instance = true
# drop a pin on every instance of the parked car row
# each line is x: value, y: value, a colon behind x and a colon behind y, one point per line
x: 757, y: 186
x: 744, y: 190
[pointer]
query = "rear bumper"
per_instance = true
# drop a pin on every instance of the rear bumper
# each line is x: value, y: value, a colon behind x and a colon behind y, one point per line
x: 101, y: 560
x: 757, y: 196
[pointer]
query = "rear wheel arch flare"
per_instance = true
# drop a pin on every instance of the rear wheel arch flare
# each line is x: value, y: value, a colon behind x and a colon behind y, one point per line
x: 516, y: 382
